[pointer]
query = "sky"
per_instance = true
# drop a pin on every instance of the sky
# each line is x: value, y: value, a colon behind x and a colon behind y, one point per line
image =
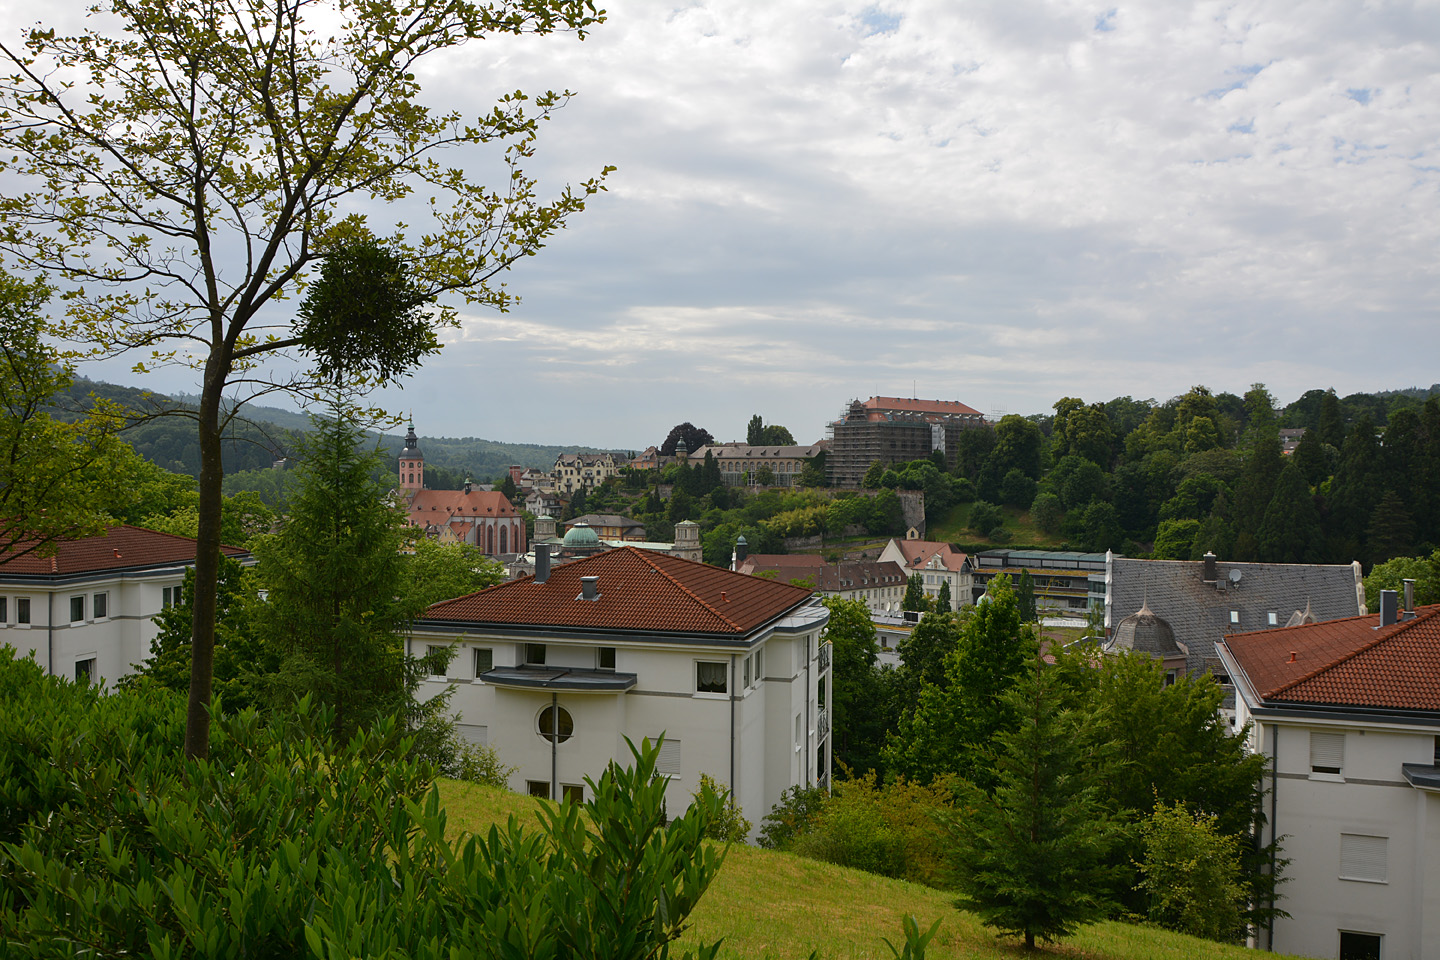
x: 1001, y: 203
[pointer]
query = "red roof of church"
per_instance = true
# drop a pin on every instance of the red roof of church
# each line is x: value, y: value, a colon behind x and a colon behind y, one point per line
x: 118, y: 548
x: 431, y: 506
x: 639, y: 590
x: 1352, y: 662
x: 878, y: 404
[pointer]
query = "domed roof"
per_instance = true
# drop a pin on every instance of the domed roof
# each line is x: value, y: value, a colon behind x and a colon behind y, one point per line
x: 1144, y: 632
x: 412, y: 445
x: 581, y: 535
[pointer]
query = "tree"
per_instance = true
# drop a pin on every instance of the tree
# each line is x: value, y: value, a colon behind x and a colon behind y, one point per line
x: 1025, y: 596
x: 1031, y: 857
x: 755, y: 432
x: 1191, y: 873
x: 765, y: 477
x: 873, y: 475
x: 857, y: 704
x: 58, y: 480
x: 1290, y: 531
x: 214, y: 162
x: 439, y: 571
x: 1046, y: 512
x: 915, y: 599
x: 944, y: 603
x: 1017, y: 445
x: 694, y: 437
x: 336, y: 582
x: 985, y: 517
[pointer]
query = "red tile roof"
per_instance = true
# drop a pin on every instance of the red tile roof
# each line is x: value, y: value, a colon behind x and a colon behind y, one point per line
x: 876, y: 406
x: 118, y: 548
x: 430, y: 506
x: 917, y: 553
x: 1350, y: 662
x: 639, y: 590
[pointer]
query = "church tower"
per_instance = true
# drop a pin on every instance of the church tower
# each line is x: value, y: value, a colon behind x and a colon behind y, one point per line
x: 412, y: 463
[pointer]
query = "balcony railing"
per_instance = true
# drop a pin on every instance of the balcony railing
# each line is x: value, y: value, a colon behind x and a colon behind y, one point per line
x: 824, y: 657
x: 822, y: 725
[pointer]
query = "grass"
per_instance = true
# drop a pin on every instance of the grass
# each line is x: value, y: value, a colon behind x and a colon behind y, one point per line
x: 955, y: 529
x: 769, y: 904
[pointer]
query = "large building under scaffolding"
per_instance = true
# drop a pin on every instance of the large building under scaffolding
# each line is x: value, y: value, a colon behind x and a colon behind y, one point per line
x: 894, y: 430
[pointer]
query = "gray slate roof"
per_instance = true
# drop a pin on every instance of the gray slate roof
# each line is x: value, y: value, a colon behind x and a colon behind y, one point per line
x: 1199, y: 612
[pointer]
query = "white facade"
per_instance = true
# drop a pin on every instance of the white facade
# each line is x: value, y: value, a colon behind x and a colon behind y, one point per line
x: 766, y: 731
x: 1354, y: 796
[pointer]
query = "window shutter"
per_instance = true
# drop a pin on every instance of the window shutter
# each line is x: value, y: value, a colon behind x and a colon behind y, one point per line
x: 1327, y: 752
x: 1362, y: 857
x: 476, y: 733
x: 668, y: 762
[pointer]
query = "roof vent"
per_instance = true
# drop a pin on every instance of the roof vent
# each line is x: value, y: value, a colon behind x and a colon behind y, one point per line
x: 589, y: 588
x: 1409, y: 597
x: 1209, y: 576
x: 1292, y: 656
x: 542, y: 562
x: 1389, y: 607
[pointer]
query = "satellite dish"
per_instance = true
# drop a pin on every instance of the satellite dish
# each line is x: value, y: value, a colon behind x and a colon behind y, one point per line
x: 1235, y: 576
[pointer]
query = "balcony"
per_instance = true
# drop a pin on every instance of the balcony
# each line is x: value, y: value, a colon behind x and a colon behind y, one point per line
x: 824, y: 657
x: 822, y: 725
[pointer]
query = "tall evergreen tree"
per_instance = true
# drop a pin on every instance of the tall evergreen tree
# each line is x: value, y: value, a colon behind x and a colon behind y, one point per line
x: 1354, y: 490
x: 1332, y: 422
x: 1026, y: 598
x: 1256, y: 488
x: 915, y: 599
x: 944, y: 603
x: 1031, y: 857
x: 1290, y: 531
x: 1310, y: 456
x: 755, y: 432
x: 1391, y: 532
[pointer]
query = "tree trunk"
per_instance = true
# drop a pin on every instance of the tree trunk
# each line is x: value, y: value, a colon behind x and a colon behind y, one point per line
x: 207, y: 562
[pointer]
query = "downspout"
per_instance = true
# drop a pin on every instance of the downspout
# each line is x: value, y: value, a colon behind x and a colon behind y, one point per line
x: 732, y: 727
x: 554, y: 746
x: 1274, y: 831
x: 806, y: 730
x: 50, y: 630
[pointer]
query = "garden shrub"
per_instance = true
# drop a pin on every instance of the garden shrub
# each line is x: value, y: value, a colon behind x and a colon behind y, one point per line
x: 883, y: 829
x: 730, y: 826
x: 792, y: 816
x: 1191, y: 872
x: 474, y: 763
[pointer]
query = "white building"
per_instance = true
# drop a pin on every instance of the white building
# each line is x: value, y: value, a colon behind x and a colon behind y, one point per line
x: 1348, y: 713
x: 86, y: 612
x: 936, y: 563
x: 555, y: 670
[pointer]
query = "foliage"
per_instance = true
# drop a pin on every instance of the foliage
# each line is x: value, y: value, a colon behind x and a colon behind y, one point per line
x: 759, y: 434
x: 1191, y: 873
x: 915, y: 941
x: 694, y: 437
x: 797, y: 809
x: 1391, y: 574
x: 59, y: 480
x: 944, y: 603
x: 128, y: 848
x: 873, y: 475
x: 886, y: 829
x: 243, y: 517
x: 254, y: 127
x: 1031, y: 857
x: 439, y: 571
x: 476, y: 763
x: 858, y: 705
x: 1046, y: 512
x: 985, y: 517
x: 729, y: 825
x: 915, y: 599
x: 1025, y: 597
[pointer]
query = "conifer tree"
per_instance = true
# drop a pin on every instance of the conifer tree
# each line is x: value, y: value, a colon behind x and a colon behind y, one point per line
x: 1290, y: 531
x: 915, y: 599
x: 943, y: 601
x: 1031, y: 857
x: 1026, y: 597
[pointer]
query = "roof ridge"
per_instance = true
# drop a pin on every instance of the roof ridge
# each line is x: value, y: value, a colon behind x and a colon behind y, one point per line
x: 645, y: 557
x: 1401, y: 625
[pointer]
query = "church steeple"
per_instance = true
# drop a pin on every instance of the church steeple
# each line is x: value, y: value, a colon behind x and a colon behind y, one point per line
x: 412, y: 462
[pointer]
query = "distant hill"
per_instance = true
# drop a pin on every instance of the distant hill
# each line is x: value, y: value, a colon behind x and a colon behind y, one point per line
x: 269, y: 433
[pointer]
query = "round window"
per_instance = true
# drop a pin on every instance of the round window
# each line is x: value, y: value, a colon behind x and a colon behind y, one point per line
x: 555, y: 724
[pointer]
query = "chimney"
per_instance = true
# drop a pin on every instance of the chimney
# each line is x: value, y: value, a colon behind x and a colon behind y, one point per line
x: 1209, y: 576
x: 542, y: 562
x: 589, y: 588
x: 1409, y: 598
x: 1389, y: 601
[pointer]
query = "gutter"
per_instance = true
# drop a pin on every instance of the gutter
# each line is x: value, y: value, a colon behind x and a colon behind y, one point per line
x: 554, y: 747
x: 1274, y: 832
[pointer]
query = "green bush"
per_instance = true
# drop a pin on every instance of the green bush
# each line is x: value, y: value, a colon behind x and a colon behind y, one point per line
x: 886, y: 829
x: 1191, y: 872
x: 284, y: 844
x: 792, y: 816
x: 730, y: 826
x: 851, y: 832
x: 474, y: 763
x: 985, y: 517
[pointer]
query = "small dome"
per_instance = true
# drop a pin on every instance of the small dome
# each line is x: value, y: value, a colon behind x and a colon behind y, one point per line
x: 412, y: 445
x: 581, y: 535
x: 1144, y: 632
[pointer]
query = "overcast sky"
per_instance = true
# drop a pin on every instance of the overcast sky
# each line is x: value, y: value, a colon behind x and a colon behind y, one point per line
x: 1000, y: 203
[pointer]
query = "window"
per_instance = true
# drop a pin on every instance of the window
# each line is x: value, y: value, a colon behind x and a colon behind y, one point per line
x: 605, y: 658
x: 668, y: 763
x: 4, y: 609
x: 799, y: 733
x: 1271, y: 618
x: 710, y: 677
x: 1363, y: 858
x: 435, y: 660
x: 170, y: 597
x: 100, y: 606
x: 535, y: 654
x: 745, y: 675
x: 759, y: 665
x: 484, y: 660
x: 822, y: 692
x: 85, y: 670
x: 476, y: 733
x: 1327, y: 755
x: 22, y: 609
x: 538, y: 788
x: 1359, y: 946
x: 1234, y: 616
x: 555, y: 724
x: 572, y: 793
x: 77, y: 609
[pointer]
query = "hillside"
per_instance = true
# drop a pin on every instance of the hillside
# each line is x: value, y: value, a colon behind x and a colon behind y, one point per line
x: 769, y: 904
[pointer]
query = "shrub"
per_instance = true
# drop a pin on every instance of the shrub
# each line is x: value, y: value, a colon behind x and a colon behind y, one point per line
x: 730, y: 826
x: 985, y: 517
x: 474, y: 763
x: 793, y: 815
x: 999, y: 535
x: 1192, y: 873
x: 887, y: 830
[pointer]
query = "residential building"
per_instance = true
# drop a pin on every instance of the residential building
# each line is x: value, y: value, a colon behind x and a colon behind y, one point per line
x: 1204, y: 600
x: 1067, y: 584
x: 610, y: 526
x: 1290, y: 439
x: 740, y: 463
x: 538, y: 502
x: 556, y: 670
x: 1348, y: 714
x: 583, y: 471
x: 85, y: 613
x: 879, y: 584
x: 647, y: 459
x: 894, y: 430
x: 936, y: 563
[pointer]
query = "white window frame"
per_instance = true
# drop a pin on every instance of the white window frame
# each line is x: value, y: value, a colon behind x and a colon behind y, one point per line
x: 711, y: 694
x: 475, y: 661
x: 94, y: 673
x: 81, y: 618
x: 1364, y: 858
x: 24, y: 612
x: 101, y: 598
x: 430, y: 650
x: 1326, y: 745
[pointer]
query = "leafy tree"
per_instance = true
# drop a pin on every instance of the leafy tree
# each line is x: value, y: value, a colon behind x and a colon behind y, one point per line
x: 1046, y: 512
x: 1017, y: 490
x: 1031, y: 857
x: 985, y: 517
x: 694, y: 437
x: 755, y: 431
x: 680, y: 507
x: 1078, y: 481
x: 243, y: 517
x: 765, y: 477
x: 796, y: 811
x: 58, y: 480
x: 1392, y: 574
x: 915, y: 599
x: 858, y: 706
x: 336, y: 582
x: 1175, y: 539
x: 777, y: 436
x: 577, y: 506
x: 1025, y: 596
x: 873, y: 475
x: 439, y: 571
x: 1100, y: 527
x: 812, y: 474
x: 212, y: 165
x: 973, y: 450
x: 1017, y: 445
x: 944, y: 603
x: 1191, y: 873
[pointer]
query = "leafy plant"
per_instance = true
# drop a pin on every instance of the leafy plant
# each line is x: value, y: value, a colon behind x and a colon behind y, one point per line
x: 915, y: 941
x: 475, y: 763
x: 731, y: 826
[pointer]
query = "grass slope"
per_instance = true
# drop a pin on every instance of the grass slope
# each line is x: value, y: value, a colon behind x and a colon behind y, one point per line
x: 1023, y: 532
x: 768, y: 904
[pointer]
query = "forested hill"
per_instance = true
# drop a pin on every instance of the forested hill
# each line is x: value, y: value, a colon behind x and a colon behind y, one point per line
x: 269, y: 433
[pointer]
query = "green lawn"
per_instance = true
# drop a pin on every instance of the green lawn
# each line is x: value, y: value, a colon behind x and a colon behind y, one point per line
x: 768, y: 904
x: 954, y: 529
